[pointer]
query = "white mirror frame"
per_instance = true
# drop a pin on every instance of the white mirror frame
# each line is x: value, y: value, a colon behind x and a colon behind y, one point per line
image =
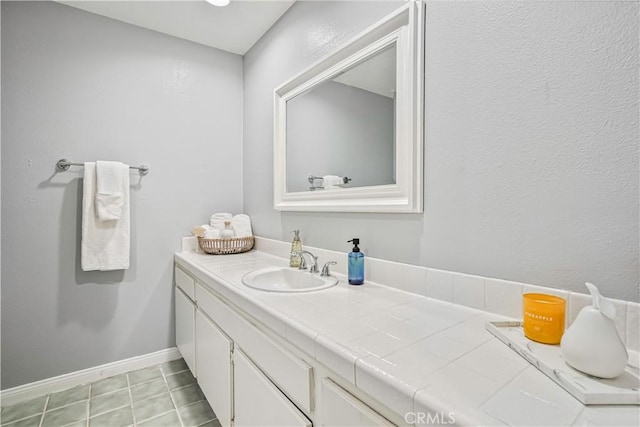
x: 405, y: 27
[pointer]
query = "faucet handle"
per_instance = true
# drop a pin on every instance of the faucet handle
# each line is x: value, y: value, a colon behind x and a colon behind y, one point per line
x: 314, y: 266
x: 325, y: 269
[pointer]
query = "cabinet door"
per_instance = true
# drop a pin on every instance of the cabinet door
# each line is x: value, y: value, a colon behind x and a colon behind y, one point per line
x: 341, y: 408
x: 185, y: 329
x: 257, y: 401
x: 213, y: 358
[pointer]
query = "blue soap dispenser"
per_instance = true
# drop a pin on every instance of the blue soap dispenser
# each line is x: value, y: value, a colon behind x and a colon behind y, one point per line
x: 356, y: 264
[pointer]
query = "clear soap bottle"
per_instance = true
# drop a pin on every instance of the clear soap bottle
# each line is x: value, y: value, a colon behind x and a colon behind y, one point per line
x: 296, y: 247
x: 228, y: 232
x: 355, y: 265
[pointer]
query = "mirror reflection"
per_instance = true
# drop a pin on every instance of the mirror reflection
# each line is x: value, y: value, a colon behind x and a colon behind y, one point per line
x: 340, y: 134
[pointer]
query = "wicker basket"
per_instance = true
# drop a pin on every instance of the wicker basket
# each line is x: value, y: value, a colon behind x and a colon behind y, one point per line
x: 226, y: 246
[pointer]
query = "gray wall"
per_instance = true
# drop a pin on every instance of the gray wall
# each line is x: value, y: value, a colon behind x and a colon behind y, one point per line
x: 85, y: 87
x: 531, y: 140
x: 341, y: 130
x: 0, y: 182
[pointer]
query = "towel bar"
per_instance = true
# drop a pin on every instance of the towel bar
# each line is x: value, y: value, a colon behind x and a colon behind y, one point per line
x: 64, y: 165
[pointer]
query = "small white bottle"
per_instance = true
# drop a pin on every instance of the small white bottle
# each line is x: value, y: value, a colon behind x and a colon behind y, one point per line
x: 228, y: 232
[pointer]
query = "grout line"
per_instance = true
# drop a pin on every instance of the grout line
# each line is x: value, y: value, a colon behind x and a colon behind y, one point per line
x: 89, y: 404
x: 33, y: 415
x: 164, y: 377
x: 133, y: 413
x: 206, y: 422
x: 193, y: 403
x: 183, y: 387
x: 173, y: 373
x: 109, y: 392
x: 44, y: 410
x: 199, y: 401
x: 110, y: 409
x: 144, y: 381
x: 153, y: 417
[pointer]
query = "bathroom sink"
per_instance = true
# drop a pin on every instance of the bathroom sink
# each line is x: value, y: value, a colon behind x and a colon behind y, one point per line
x: 285, y: 279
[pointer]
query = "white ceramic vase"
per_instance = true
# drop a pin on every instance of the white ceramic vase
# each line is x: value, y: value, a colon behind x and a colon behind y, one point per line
x: 592, y: 344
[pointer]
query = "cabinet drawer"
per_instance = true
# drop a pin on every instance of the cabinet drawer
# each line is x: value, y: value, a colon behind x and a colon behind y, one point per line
x: 186, y: 283
x: 341, y: 408
x: 258, y: 402
x: 287, y: 371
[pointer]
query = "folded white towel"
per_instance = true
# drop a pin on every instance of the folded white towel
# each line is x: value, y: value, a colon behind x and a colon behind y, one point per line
x: 109, y: 181
x: 212, y: 233
x: 332, y: 180
x: 109, y: 206
x: 105, y: 244
x: 221, y: 215
x: 217, y: 220
x: 241, y: 224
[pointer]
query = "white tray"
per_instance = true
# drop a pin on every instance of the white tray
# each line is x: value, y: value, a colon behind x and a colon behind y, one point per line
x: 589, y: 390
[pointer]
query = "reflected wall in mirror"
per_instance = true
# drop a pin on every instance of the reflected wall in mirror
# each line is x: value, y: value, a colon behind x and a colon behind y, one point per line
x: 356, y: 117
x: 345, y: 127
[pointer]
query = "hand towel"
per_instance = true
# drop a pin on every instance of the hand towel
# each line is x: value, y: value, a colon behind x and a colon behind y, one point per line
x: 109, y: 181
x: 332, y: 180
x: 105, y: 244
x: 241, y: 224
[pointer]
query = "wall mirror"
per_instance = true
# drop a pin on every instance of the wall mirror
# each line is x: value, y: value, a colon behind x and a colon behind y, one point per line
x: 348, y: 129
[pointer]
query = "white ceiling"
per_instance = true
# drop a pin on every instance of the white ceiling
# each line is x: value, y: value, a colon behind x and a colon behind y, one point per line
x: 234, y: 28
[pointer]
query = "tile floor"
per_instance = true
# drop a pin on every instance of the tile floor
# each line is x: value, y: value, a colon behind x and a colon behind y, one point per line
x: 157, y: 396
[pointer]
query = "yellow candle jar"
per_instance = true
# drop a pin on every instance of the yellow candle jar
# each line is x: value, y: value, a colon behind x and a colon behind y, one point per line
x: 543, y: 317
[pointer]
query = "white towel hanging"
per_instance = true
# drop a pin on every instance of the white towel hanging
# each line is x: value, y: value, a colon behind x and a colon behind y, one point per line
x: 105, y: 244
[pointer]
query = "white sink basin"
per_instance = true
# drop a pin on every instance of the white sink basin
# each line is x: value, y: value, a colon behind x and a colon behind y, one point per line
x: 285, y: 279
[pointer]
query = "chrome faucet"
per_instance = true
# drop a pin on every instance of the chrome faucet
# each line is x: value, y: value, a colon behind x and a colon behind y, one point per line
x: 303, y: 263
x: 325, y: 269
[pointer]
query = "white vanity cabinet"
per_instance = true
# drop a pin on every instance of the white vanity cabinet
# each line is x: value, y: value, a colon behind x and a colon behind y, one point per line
x: 251, y: 376
x: 258, y: 402
x: 213, y: 355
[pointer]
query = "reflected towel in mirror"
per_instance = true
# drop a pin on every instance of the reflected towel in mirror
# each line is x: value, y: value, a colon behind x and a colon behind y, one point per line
x: 332, y: 181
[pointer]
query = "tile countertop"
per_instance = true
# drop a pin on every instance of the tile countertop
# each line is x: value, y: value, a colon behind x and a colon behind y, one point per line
x: 419, y: 356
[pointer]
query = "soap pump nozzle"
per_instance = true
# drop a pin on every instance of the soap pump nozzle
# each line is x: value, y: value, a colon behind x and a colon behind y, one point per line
x: 356, y: 242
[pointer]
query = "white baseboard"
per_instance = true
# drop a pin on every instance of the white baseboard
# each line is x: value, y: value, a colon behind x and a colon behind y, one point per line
x: 51, y: 385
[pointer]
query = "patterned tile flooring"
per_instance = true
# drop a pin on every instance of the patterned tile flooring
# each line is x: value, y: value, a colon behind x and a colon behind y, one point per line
x: 157, y: 396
